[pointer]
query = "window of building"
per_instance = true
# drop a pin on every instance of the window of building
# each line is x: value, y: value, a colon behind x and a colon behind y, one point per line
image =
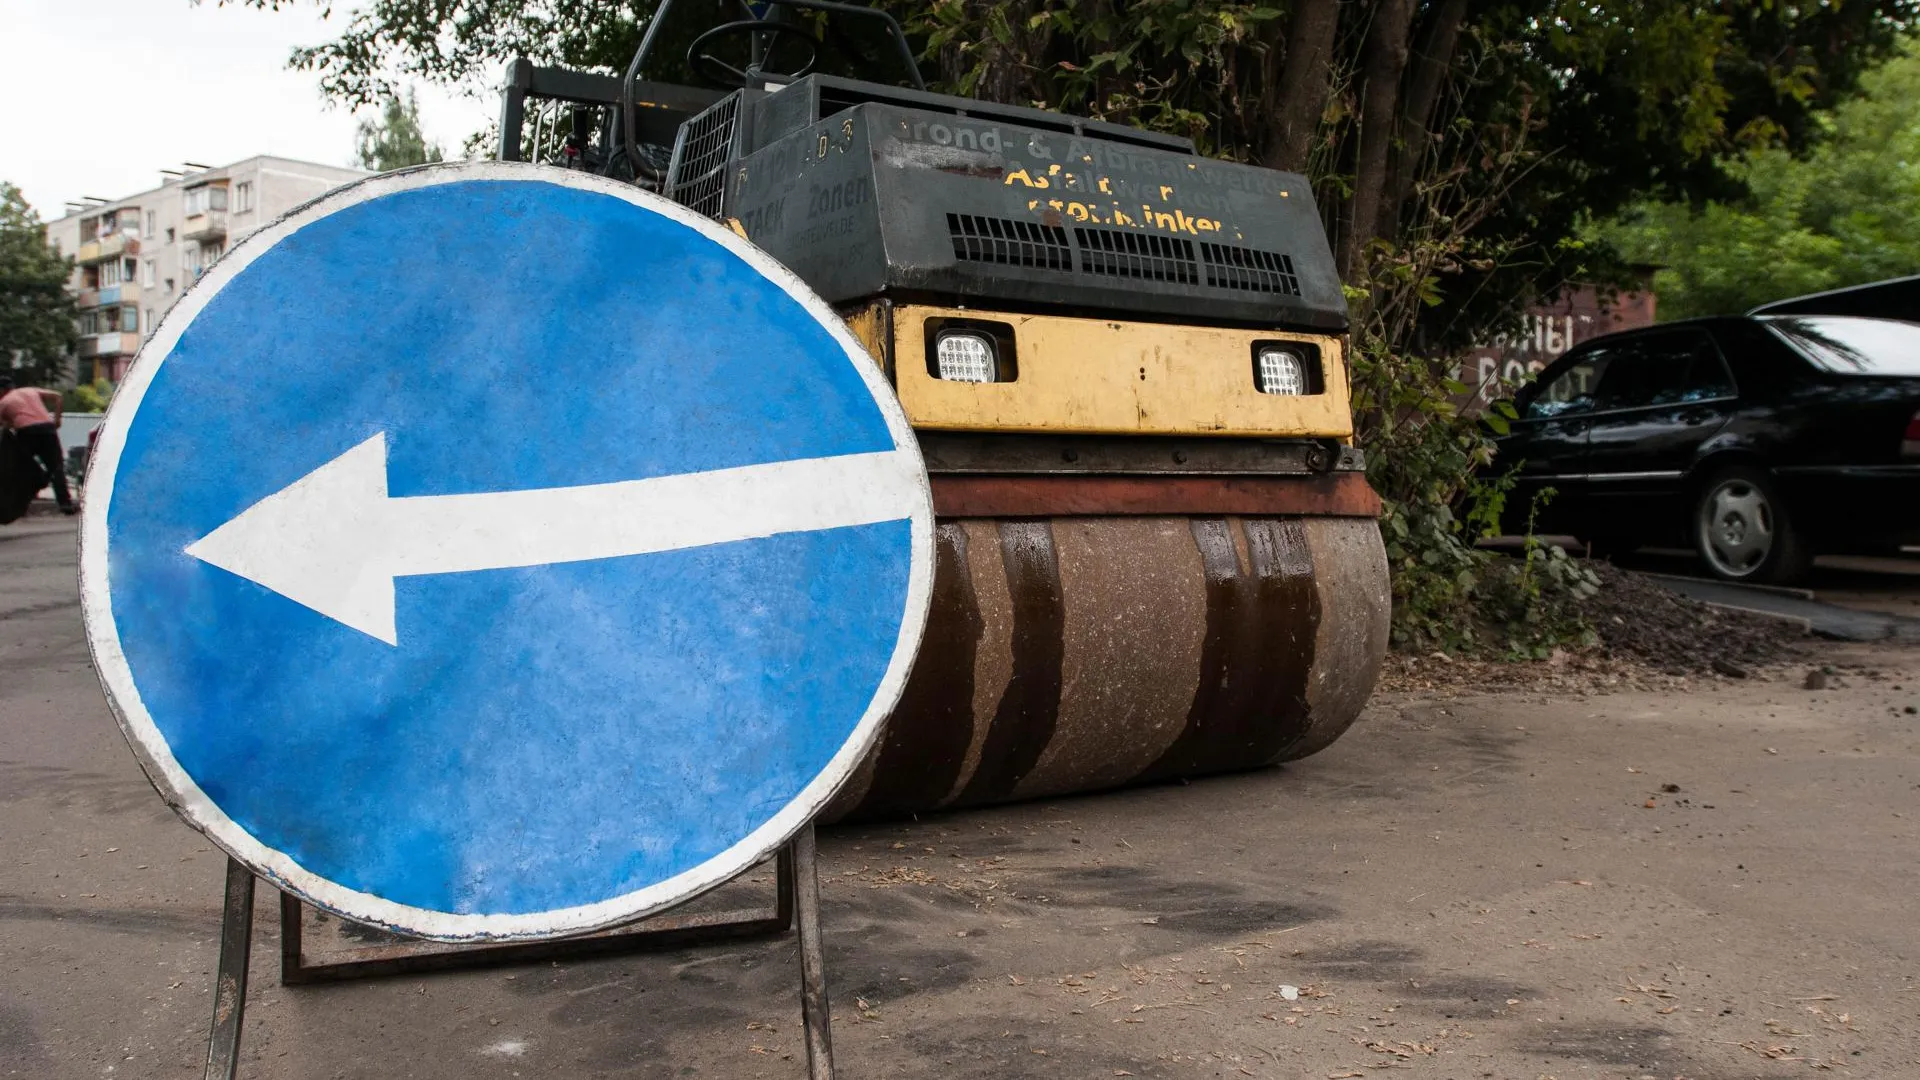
x: 89, y: 230
x: 148, y: 272
x: 130, y: 270
x: 89, y: 277
x: 152, y: 222
x: 169, y: 284
x: 206, y: 197
x: 89, y: 322
x: 243, y: 197
x: 169, y: 236
x: 109, y: 320
x: 109, y: 274
x: 149, y: 329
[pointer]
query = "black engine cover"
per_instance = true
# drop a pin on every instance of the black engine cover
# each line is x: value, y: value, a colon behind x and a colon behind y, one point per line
x: 864, y: 190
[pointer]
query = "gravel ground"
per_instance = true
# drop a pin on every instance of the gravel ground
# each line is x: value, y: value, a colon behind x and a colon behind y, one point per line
x: 1639, y: 621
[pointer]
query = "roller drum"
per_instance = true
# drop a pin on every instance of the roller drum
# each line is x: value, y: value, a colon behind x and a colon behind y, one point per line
x: 1073, y: 654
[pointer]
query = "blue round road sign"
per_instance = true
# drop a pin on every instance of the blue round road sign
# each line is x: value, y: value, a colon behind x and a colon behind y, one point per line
x: 489, y: 552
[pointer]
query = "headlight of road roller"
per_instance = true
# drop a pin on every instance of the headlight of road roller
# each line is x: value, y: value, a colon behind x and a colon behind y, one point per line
x: 970, y: 350
x: 964, y: 356
x: 1284, y: 369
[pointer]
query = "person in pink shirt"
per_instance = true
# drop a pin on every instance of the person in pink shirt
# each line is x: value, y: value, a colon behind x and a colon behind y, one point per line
x: 24, y: 411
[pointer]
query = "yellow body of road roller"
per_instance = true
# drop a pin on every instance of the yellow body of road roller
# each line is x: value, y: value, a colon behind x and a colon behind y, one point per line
x: 1157, y: 553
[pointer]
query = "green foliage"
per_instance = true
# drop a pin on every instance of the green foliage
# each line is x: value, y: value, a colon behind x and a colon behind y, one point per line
x: 449, y: 42
x: 37, y: 313
x: 395, y: 141
x: 89, y: 397
x: 1844, y: 214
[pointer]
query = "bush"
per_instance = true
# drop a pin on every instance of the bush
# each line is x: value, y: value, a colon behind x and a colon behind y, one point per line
x: 90, y: 397
x: 1433, y: 470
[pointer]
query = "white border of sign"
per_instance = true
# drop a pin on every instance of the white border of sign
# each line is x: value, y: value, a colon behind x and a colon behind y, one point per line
x: 191, y: 803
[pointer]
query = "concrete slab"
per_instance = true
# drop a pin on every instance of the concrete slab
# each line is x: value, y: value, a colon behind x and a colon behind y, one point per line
x: 1824, y: 619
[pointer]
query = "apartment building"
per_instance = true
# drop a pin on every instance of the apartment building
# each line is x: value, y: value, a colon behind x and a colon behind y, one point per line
x: 134, y: 256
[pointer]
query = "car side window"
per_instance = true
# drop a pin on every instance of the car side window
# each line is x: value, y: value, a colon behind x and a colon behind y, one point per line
x: 1707, y: 375
x: 1671, y: 368
x: 1571, y: 389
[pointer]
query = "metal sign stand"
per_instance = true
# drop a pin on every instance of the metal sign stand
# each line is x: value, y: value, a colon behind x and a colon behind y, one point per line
x: 797, y: 896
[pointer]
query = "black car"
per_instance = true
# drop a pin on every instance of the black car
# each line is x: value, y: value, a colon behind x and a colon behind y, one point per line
x: 1757, y: 440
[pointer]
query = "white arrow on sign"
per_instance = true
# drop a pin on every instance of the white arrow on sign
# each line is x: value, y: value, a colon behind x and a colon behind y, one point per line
x: 334, y: 540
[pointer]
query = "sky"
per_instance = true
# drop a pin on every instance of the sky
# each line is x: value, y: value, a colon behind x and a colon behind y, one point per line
x: 103, y: 94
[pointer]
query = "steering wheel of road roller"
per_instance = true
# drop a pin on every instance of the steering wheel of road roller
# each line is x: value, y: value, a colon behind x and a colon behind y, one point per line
x: 764, y: 39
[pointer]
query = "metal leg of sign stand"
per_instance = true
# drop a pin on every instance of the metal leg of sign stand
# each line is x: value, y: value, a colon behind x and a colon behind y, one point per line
x: 815, y: 1014
x: 230, y: 986
x: 796, y: 904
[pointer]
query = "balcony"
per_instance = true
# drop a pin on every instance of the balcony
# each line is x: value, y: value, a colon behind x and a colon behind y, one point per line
x: 108, y: 345
x: 127, y: 293
x: 113, y: 246
x: 206, y: 225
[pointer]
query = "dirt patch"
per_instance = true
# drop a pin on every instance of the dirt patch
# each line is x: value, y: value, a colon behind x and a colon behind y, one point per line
x: 1639, y: 620
x: 1650, y: 639
x: 1587, y: 671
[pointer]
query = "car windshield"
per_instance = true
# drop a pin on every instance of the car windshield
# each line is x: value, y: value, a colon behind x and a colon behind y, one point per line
x: 1848, y: 345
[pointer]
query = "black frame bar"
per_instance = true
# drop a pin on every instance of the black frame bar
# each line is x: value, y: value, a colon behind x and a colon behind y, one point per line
x: 796, y: 906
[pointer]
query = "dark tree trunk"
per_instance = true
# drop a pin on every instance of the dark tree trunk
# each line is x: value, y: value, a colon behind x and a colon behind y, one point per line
x: 1382, y: 62
x: 1431, y: 61
x: 1304, y: 83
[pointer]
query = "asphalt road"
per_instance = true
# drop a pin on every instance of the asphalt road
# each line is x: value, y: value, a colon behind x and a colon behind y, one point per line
x: 1498, y: 886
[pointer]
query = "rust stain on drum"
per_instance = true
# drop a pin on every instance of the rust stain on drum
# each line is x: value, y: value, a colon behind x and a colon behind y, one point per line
x: 1283, y: 563
x: 1252, y: 697
x: 1135, y: 618
x: 1351, y: 644
x: 923, y: 752
x: 993, y: 658
x: 1023, y: 724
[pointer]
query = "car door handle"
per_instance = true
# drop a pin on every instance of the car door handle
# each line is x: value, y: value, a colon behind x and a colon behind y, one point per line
x: 1693, y: 417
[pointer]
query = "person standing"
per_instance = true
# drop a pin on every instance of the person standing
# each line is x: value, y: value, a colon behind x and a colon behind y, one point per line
x: 24, y: 411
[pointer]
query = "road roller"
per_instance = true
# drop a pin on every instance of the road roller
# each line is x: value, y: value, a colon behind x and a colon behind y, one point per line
x: 1158, y: 556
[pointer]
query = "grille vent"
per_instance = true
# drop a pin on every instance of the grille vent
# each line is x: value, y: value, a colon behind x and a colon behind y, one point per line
x: 1249, y: 269
x: 1136, y: 255
x: 1014, y: 243
x: 696, y: 177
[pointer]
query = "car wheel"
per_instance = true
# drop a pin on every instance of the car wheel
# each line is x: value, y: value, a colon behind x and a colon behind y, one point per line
x: 1743, y: 532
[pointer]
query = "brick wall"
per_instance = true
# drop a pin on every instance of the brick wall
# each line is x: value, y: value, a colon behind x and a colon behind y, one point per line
x: 1549, y: 330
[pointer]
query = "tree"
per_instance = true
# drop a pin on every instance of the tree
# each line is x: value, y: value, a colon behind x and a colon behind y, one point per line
x: 395, y: 141
x: 1622, y: 97
x: 1844, y: 214
x: 37, y: 313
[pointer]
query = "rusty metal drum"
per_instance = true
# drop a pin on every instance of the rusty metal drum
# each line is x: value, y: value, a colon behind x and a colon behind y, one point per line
x: 1069, y: 654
